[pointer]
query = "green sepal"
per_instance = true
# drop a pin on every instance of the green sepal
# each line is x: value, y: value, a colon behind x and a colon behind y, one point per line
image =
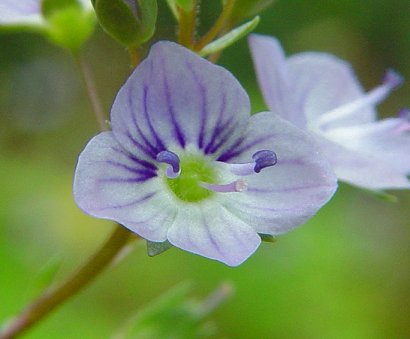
x: 245, y: 9
x: 267, y: 238
x: 130, y: 22
x: 229, y: 38
x: 155, y: 248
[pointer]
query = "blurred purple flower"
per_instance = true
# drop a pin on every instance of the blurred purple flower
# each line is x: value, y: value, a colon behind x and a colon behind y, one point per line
x: 185, y: 162
x: 27, y: 12
x: 319, y: 92
x: 23, y: 12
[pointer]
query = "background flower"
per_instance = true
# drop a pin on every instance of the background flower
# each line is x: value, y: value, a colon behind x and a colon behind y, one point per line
x: 319, y: 92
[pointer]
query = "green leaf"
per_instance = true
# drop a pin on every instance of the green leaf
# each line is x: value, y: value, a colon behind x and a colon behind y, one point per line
x: 244, y: 9
x: 175, y: 315
x: 131, y: 22
x: 173, y: 7
x: 229, y: 38
x: 155, y: 248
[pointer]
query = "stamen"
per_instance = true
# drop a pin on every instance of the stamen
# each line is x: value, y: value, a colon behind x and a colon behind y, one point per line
x: 391, y: 80
x: 235, y: 186
x: 262, y: 159
x: 170, y: 158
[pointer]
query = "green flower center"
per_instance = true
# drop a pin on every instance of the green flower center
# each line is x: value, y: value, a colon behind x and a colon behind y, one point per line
x: 194, y: 170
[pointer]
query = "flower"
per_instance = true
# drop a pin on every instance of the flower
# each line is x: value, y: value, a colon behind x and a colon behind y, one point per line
x: 320, y: 93
x: 28, y: 12
x: 186, y: 163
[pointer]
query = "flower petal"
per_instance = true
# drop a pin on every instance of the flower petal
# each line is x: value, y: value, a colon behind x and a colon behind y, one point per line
x: 361, y: 169
x: 110, y: 183
x: 210, y: 230
x: 384, y: 140
x: 284, y: 196
x: 274, y: 78
x: 26, y: 12
x: 175, y: 98
x: 322, y: 82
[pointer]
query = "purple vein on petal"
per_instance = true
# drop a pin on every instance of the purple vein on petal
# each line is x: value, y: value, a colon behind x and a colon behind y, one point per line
x: 177, y: 129
x: 131, y: 180
x: 148, y: 152
x: 131, y: 203
x: 236, y: 149
x: 140, y: 162
x: 204, y: 105
x: 218, y: 125
x: 129, y: 168
x: 134, y: 120
x: 160, y: 144
x: 211, y: 237
x: 287, y: 189
x: 223, y: 137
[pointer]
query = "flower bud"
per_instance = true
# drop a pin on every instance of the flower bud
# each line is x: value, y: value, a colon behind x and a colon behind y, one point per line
x: 131, y: 22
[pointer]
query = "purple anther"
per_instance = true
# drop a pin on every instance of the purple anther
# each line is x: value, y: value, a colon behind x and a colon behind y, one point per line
x: 392, y: 78
x: 171, y: 159
x: 263, y: 159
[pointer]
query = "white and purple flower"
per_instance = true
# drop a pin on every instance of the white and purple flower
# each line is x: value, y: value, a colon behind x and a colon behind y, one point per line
x: 27, y: 13
x: 186, y: 163
x: 319, y: 92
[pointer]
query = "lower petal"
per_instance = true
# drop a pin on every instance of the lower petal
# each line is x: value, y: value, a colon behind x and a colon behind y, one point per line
x: 210, y: 230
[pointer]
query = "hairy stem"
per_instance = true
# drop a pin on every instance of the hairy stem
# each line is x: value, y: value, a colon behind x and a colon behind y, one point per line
x: 92, y: 93
x: 187, y: 25
x: 55, y: 296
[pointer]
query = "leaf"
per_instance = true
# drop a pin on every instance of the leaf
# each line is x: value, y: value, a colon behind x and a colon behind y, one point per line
x: 175, y: 315
x: 244, y: 9
x: 229, y: 38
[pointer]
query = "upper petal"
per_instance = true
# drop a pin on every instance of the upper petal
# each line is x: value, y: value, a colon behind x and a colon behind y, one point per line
x: 210, y: 230
x: 27, y: 12
x: 284, y: 196
x: 112, y: 184
x: 175, y: 98
x: 361, y: 169
x: 274, y: 78
x: 385, y: 140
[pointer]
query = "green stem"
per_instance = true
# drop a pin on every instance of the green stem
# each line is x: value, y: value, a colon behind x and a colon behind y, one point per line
x: 187, y: 25
x: 53, y: 297
x: 217, y: 27
x: 92, y: 93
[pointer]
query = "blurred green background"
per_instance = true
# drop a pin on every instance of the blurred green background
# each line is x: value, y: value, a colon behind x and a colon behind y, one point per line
x: 343, y: 275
